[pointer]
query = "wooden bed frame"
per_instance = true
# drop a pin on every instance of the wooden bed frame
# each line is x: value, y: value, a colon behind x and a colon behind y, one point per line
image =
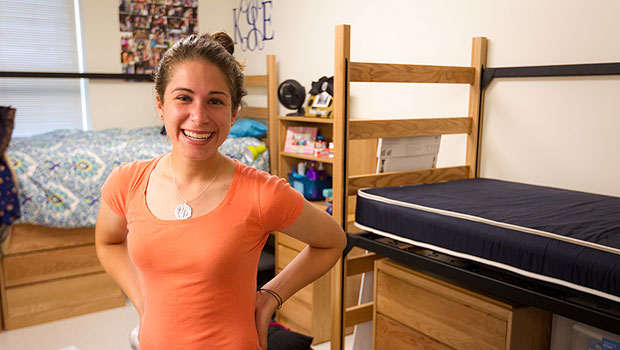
x: 472, y: 277
x: 51, y: 273
x: 346, y: 72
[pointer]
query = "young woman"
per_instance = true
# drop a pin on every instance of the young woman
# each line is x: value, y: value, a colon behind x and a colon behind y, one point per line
x: 182, y: 233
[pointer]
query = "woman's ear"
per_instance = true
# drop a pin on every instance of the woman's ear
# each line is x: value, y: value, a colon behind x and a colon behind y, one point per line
x: 235, y: 115
x: 160, y: 108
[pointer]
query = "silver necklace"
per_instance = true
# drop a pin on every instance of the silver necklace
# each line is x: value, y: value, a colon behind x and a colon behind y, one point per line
x: 184, y: 211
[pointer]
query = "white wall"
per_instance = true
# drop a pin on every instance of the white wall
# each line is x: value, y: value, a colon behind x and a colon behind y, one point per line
x: 552, y: 131
x: 118, y: 104
x: 113, y: 104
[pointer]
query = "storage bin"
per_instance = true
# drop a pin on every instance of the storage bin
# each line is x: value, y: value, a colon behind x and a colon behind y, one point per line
x: 590, y: 338
x: 311, y: 189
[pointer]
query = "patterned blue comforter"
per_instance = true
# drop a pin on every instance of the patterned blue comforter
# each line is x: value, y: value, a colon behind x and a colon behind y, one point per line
x: 60, y: 173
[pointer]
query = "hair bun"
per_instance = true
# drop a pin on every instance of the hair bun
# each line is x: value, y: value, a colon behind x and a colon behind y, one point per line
x: 225, y: 40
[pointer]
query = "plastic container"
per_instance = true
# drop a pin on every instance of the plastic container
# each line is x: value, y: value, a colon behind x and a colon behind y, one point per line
x: 590, y: 338
x: 328, y: 194
x: 312, y: 190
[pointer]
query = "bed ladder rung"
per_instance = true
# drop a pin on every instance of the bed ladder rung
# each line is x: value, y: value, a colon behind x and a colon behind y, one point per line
x: 407, y: 178
x: 255, y: 80
x: 409, y: 73
x: 372, y: 129
x: 254, y: 112
x: 358, y: 314
x: 362, y: 263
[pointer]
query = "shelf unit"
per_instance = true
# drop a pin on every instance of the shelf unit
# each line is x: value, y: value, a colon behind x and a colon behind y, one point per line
x: 286, y: 161
x: 309, y: 311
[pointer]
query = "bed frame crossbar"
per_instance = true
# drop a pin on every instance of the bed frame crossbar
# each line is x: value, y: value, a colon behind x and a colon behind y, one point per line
x: 567, y: 70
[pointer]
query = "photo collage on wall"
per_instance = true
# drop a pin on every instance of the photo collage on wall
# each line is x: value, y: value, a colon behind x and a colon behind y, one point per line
x: 150, y: 27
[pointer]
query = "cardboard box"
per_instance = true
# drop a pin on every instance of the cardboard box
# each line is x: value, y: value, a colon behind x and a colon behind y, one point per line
x: 407, y: 153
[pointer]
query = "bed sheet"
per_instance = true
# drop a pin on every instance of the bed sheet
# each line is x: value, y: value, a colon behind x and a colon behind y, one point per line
x: 60, y: 173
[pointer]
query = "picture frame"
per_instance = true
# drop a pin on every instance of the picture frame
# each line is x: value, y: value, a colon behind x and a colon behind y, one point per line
x: 322, y: 100
x: 320, y: 105
x: 300, y: 139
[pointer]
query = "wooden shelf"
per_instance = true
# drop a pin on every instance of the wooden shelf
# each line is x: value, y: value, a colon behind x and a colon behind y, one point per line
x: 307, y: 157
x: 307, y: 119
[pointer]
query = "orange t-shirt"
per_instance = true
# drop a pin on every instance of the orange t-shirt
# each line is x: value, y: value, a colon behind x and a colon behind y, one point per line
x: 199, y: 275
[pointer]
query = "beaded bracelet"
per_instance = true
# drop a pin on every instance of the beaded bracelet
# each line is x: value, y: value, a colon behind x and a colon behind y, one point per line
x: 275, y: 295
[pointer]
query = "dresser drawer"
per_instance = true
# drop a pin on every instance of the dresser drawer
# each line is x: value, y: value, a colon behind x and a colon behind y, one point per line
x: 392, y: 335
x: 53, y: 300
x: 48, y: 265
x: 284, y: 256
x: 296, y: 313
x: 291, y: 242
x: 445, y: 314
x: 436, y: 313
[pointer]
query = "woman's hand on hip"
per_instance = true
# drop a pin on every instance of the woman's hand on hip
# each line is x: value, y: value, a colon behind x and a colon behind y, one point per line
x: 265, y: 307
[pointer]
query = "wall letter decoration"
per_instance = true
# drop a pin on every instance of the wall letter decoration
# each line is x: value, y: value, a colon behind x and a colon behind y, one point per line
x: 253, y: 24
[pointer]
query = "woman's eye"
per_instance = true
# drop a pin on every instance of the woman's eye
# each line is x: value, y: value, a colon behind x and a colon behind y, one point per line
x: 216, y: 101
x: 183, y: 98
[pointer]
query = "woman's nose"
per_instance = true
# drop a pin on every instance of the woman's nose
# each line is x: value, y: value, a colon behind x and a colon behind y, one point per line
x: 199, y: 114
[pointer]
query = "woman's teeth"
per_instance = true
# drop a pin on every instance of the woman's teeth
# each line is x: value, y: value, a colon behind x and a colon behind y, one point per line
x: 195, y: 136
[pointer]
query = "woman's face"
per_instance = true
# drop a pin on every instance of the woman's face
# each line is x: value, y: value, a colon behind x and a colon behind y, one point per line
x: 197, y: 109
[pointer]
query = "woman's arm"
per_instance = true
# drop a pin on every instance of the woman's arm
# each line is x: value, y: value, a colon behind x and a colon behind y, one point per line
x: 326, y: 241
x: 111, y: 243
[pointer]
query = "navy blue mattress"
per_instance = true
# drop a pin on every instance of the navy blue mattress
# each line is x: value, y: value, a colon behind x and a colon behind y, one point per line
x: 563, y: 237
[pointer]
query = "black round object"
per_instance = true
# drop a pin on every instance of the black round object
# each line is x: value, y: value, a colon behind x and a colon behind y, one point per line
x: 292, y: 95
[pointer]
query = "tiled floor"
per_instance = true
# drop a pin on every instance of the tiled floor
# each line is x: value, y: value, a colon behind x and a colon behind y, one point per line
x: 105, y: 330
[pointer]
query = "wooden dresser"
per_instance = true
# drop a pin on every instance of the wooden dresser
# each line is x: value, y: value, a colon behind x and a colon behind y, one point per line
x: 416, y: 311
x: 50, y: 274
x: 309, y: 310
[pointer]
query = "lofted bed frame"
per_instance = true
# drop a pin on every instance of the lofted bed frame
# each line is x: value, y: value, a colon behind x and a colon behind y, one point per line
x: 50, y: 273
x: 346, y: 72
x: 469, y: 275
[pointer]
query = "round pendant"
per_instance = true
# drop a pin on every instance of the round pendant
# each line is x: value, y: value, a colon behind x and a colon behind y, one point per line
x: 183, y: 211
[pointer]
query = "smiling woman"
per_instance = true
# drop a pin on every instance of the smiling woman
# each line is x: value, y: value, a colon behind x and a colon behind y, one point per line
x: 189, y: 266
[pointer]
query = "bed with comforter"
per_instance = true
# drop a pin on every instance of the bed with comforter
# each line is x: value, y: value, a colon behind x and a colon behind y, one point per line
x: 60, y: 173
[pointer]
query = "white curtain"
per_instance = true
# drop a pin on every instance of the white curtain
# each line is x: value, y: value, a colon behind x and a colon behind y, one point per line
x: 40, y: 36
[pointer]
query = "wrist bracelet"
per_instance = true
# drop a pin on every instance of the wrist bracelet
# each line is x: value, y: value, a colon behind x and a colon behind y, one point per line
x: 275, y: 295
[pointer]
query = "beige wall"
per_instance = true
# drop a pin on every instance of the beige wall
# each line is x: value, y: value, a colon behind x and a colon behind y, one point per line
x: 117, y: 104
x: 556, y: 132
x: 112, y: 103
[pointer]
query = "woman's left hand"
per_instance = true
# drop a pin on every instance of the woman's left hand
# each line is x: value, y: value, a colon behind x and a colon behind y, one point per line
x: 265, y: 307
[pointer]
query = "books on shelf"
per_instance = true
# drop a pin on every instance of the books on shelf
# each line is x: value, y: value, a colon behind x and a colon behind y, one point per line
x: 300, y: 139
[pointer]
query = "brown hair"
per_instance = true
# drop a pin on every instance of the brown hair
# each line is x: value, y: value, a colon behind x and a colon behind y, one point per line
x: 215, y: 48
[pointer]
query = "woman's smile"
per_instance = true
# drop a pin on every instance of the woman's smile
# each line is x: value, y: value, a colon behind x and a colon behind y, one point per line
x: 197, y: 135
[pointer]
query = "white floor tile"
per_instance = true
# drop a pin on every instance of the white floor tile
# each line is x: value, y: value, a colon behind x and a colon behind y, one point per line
x: 348, y: 344
x: 103, y: 330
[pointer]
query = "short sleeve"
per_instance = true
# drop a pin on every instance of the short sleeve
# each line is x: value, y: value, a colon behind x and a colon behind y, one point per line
x: 280, y: 204
x: 113, y: 194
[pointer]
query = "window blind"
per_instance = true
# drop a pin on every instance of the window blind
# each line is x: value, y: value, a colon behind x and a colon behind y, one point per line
x: 40, y: 36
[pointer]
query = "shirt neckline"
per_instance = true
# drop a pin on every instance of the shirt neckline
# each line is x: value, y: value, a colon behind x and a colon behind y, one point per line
x: 149, y: 214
